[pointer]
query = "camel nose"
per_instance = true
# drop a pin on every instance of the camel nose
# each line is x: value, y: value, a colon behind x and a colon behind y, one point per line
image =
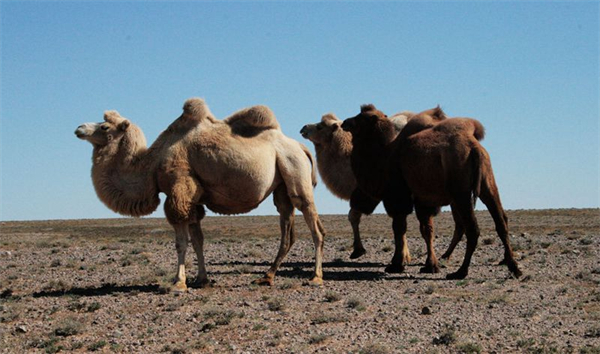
x: 348, y: 124
x: 304, y: 131
x: 81, y: 131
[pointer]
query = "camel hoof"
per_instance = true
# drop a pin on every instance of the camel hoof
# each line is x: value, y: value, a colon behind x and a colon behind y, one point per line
x: 394, y: 268
x: 446, y: 256
x: 357, y: 253
x: 265, y: 281
x: 407, y: 259
x: 316, y: 281
x: 457, y: 275
x: 201, y: 284
x: 179, y: 287
x: 430, y: 269
x: 503, y: 262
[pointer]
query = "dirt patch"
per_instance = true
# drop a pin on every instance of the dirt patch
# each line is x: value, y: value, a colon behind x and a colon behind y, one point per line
x: 99, y: 286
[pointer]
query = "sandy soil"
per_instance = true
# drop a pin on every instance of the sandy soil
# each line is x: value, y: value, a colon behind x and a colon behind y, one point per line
x: 101, y: 286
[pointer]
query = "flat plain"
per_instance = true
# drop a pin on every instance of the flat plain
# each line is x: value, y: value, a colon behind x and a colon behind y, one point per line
x: 102, y: 286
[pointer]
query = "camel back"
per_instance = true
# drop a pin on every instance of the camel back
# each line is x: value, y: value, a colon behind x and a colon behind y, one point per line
x: 253, y: 120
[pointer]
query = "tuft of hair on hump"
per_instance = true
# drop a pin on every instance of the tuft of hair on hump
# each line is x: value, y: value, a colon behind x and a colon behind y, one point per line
x: 367, y: 108
x: 438, y: 113
x: 195, y: 108
x: 252, y: 120
x: 479, y: 131
x: 113, y: 117
x: 329, y: 117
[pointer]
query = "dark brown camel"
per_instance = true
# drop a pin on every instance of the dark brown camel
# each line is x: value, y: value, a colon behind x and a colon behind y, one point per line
x: 427, y: 166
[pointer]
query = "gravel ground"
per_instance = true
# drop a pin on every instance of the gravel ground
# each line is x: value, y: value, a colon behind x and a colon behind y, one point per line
x: 102, y: 286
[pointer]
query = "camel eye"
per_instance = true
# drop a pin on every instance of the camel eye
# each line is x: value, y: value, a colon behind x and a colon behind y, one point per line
x: 319, y: 127
x: 104, y: 127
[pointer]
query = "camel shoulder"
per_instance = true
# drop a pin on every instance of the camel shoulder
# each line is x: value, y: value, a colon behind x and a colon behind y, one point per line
x: 252, y: 120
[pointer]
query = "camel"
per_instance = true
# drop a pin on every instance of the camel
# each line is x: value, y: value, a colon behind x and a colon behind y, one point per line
x: 230, y: 166
x: 334, y: 148
x: 430, y: 164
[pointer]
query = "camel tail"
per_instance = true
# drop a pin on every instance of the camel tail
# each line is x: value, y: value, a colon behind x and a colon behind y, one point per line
x: 476, y: 158
x: 479, y: 130
x: 312, y: 164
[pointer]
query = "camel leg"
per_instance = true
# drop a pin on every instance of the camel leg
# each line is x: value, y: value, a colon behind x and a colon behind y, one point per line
x: 401, y: 250
x: 181, y: 241
x: 425, y: 216
x: 459, y: 231
x: 288, y: 237
x: 309, y: 211
x: 197, y: 237
x: 358, y: 249
x: 491, y: 198
x: 467, y: 214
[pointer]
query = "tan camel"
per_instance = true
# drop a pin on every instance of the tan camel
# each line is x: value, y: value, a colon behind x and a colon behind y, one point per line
x: 230, y: 166
x: 333, y: 146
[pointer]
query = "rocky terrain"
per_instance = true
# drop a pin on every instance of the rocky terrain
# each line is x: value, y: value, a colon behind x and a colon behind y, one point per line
x: 102, y: 286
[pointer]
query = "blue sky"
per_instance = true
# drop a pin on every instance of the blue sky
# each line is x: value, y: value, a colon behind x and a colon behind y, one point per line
x: 528, y: 71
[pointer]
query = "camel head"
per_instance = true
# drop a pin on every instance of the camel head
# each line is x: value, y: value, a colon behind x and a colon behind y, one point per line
x: 366, y: 121
x: 431, y: 115
x: 110, y: 131
x: 322, y: 133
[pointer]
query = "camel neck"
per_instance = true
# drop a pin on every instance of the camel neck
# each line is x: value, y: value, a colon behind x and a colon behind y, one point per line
x: 124, y: 179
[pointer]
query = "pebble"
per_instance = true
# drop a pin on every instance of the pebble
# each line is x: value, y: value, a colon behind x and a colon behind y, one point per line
x: 21, y: 329
x: 426, y: 311
x: 6, y: 253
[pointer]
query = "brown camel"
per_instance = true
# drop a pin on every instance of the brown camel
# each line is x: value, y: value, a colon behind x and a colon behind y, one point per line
x: 427, y: 167
x: 230, y: 166
x: 334, y: 147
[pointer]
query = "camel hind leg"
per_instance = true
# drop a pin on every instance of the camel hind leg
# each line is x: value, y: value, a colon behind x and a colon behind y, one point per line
x: 459, y: 231
x: 197, y: 237
x: 491, y: 198
x: 467, y: 213
x: 288, y: 236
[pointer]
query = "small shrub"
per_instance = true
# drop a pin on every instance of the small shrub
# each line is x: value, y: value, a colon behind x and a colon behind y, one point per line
x: 275, y: 305
x: 323, y: 318
x: 68, y: 327
x: 259, y: 327
x: 93, y: 307
x: 331, y: 296
x: 469, y: 348
x: 55, y: 263
x: 355, y: 303
x: 447, y: 337
x: 488, y: 241
x: 97, y: 345
x: 375, y: 348
x: 317, y: 338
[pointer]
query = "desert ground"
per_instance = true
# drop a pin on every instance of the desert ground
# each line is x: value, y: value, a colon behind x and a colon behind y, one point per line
x: 102, y: 286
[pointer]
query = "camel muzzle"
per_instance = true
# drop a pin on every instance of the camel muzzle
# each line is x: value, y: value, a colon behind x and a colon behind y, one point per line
x: 348, y: 124
x: 304, y: 131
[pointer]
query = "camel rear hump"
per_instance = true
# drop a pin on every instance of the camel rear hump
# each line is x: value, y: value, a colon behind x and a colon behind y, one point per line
x: 253, y: 120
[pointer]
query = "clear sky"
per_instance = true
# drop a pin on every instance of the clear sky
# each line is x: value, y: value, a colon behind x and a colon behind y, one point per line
x: 528, y: 71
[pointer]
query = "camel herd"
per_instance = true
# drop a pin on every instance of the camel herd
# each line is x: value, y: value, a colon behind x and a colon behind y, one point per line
x: 408, y: 161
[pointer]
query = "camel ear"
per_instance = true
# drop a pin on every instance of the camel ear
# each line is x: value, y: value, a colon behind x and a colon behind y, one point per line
x: 124, y: 125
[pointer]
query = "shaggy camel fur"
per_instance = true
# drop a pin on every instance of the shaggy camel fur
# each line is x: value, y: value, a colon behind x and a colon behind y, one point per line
x: 229, y: 166
x: 334, y: 147
x: 427, y: 167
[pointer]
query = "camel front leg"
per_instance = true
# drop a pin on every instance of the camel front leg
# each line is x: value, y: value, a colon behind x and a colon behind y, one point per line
x: 181, y: 241
x: 197, y: 237
x: 425, y: 216
x: 358, y: 250
x: 401, y: 252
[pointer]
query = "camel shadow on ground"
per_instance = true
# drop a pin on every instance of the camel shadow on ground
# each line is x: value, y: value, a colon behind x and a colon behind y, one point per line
x: 289, y: 270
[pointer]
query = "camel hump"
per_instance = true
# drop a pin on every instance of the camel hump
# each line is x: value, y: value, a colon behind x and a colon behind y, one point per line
x: 253, y: 120
x: 479, y: 130
x: 400, y: 119
x: 330, y: 118
x: 196, y: 109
